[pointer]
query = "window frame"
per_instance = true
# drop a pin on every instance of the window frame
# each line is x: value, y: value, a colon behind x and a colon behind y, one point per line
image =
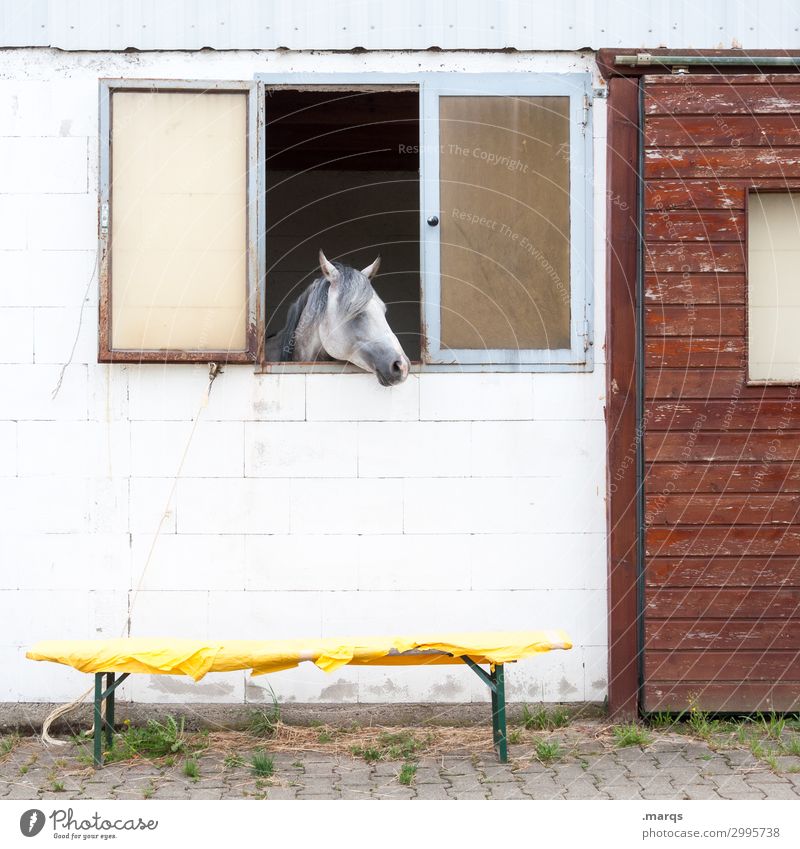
x: 431, y: 86
x: 578, y: 87
x: 254, y: 293
x: 755, y: 188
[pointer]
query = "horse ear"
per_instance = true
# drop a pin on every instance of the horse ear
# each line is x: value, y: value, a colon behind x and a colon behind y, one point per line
x: 371, y: 270
x: 328, y: 269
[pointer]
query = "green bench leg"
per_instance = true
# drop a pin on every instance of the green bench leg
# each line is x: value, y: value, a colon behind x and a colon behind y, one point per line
x: 110, y: 710
x: 496, y: 683
x: 106, y: 724
x: 499, y: 713
x: 98, y: 719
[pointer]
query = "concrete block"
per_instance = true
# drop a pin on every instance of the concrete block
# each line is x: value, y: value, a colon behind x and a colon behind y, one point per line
x: 13, y: 229
x: 421, y: 562
x: 255, y: 615
x: 43, y: 165
x: 359, y: 397
x: 16, y: 335
x: 188, y: 562
x: 150, y: 498
x: 540, y: 561
x: 232, y: 506
x: 215, y: 449
x: 174, y: 392
x: 108, y: 392
x: 64, y: 562
x: 61, y: 333
x: 47, y: 278
x: 301, y: 449
x: 28, y: 392
x: 414, y: 449
x: 214, y: 688
x: 475, y: 396
x: 8, y: 449
x: 346, y: 506
x: 565, y: 396
x: 77, y: 449
x: 182, y: 614
x: 277, y: 562
x: 62, y: 222
x: 536, y: 449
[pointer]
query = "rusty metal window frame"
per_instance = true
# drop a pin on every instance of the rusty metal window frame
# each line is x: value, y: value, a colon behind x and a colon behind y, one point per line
x: 431, y: 85
x: 577, y: 88
x: 255, y: 218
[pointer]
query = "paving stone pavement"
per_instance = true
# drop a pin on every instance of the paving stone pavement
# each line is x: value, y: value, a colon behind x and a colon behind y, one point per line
x: 674, y: 766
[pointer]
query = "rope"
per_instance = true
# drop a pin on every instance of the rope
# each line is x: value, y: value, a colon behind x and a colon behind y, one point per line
x: 213, y: 370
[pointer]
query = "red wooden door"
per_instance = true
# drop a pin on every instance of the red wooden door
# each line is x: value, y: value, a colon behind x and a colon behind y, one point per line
x: 721, y: 457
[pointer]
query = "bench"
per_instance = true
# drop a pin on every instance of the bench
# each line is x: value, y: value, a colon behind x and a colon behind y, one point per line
x: 112, y: 661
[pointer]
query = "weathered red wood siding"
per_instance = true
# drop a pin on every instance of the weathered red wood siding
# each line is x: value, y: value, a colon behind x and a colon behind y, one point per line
x: 722, y: 459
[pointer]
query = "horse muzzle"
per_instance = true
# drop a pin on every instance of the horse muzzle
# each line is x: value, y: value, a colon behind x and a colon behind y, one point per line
x: 396, y: 371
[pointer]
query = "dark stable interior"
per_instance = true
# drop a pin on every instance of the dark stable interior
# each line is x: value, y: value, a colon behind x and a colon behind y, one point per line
x: 342, y: 175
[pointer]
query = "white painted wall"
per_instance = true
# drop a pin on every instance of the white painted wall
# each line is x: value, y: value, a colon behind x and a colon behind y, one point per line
x: 318, y: 504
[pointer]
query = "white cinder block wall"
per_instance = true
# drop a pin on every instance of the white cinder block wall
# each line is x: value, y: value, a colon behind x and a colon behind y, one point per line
x: 318, y: 504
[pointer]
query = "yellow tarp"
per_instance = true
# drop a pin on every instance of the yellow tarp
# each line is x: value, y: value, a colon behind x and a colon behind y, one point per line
x: 197, y: 657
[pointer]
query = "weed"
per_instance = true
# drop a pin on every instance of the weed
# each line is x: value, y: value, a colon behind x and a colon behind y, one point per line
x: 234, y: 760
x: 541, y: 719
x: 400, y: 745
x: 154, y: 740
x: 631, y: 735
x: 548, y: 751
x: 24, y: 768
x: 700, y: 724
x: 514, y: 736
x: 407, y: 773
x: 8, y: 743
x: 792, y: 747
x: 772, y: 725
x: 169, y: 761
x: 264, y: 723
x: 662, y: 721
x: 262, y: 764
x: 191, y: 769
x: 325, y: 737
x: 148, y: 791
x: 369, y: 753
x: 297, y: 764
x: 57, y: 786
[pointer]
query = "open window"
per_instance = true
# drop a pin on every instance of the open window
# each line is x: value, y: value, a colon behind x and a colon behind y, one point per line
x: 342, y: 174
x: 475, y: 190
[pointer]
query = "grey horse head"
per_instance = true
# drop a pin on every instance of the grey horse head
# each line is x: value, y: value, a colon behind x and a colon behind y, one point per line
x: 341, y: 317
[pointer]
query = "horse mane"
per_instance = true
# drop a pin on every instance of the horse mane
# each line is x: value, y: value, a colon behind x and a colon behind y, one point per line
x: 355, y: 293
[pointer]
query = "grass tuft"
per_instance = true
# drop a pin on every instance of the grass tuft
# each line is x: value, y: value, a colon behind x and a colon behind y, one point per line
x: 631, y: 735
x: 264, y: 723
x: 407, y: 773
x: 548, y: 751
x: 262, y: 764
x: 191, y: 769
x: 542, y: 719
x: 154, y: 740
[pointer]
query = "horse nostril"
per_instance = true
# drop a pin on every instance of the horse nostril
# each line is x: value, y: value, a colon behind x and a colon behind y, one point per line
x: 398, y: 367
